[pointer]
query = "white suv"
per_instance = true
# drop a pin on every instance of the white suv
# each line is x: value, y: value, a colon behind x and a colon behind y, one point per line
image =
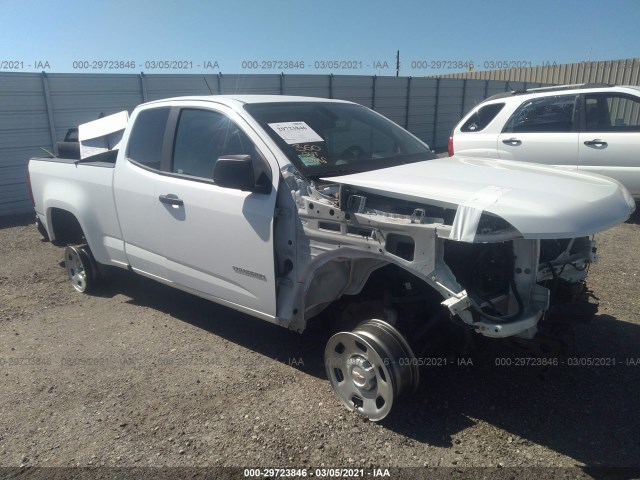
x: 594, y: 128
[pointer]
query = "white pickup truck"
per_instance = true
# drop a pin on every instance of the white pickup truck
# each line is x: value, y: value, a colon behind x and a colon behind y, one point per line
x: 283, y: 206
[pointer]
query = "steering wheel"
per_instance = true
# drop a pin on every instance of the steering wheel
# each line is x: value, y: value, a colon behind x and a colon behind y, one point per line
x: 353, y: 151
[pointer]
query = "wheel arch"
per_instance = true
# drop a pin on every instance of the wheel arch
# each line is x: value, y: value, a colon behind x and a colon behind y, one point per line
x: 64, y: 227
x: 328, y: 278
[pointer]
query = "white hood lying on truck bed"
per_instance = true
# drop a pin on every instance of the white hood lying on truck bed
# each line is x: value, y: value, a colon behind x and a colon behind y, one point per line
x: 539, y: 201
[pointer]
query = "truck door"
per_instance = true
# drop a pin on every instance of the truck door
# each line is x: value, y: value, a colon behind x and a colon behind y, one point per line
x: 610, y: 138
x: 135, y: 186
x: 217, y: 242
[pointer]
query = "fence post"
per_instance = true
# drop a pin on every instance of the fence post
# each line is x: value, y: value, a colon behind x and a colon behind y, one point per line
x: 373, y: 93
x: 47, y: 100
x: 464, y: 96
x: 435, y: 116
x: 282, y: 83
x: 220, y: 83
x: 408, y: 105
x: 331, y: 85
x: 204, y: 77
x: 143, y: 87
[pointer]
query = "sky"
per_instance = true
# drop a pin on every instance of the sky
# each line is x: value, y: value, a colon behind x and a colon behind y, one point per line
x: 353, y: 37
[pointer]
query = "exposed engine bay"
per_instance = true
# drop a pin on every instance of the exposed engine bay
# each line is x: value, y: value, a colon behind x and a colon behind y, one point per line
x: 350, y: 241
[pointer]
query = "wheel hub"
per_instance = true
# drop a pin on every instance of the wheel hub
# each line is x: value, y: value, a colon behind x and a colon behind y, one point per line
x: 78, y: 265
x: 365, y: 368
x: 361, y: 372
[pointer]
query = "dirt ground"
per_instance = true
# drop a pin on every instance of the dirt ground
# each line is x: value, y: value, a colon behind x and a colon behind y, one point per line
x: 139, y: 374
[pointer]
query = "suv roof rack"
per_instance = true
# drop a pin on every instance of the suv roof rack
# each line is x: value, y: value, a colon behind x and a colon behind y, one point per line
x: 563, y: 87
x: 552, y: 88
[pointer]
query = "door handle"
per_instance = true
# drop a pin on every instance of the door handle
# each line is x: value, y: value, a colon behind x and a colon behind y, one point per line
x: 171, y: 199
x: 512, y: 141
x: 596, y: 143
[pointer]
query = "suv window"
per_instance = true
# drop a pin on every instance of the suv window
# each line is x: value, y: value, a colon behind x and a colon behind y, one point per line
x: 145, y: 142
x: 202, y: 137
x: 482, y: 117
x: 607, y: 112
x: 547, y: 114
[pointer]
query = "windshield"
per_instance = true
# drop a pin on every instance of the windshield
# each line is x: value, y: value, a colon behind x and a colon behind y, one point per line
x: 325, y: 139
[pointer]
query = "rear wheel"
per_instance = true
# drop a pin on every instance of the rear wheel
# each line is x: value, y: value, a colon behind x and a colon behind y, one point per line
x: 370, y: 368
x: 80, y: 267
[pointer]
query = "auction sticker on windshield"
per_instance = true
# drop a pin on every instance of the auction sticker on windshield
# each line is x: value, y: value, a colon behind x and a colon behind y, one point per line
x: 310, y: 159
x: 296, y: 132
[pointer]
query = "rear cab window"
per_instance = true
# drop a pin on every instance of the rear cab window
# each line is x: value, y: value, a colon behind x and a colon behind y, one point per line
x: 147, y: 137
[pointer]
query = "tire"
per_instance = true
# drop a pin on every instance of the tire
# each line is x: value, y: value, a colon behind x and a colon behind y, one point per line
x: 81, y: 268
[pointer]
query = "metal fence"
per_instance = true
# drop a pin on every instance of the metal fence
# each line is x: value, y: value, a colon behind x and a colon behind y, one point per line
x: 37, y: 109
x: 613, y: 72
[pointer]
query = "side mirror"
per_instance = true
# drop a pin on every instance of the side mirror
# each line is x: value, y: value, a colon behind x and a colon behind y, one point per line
x: 240, y: 172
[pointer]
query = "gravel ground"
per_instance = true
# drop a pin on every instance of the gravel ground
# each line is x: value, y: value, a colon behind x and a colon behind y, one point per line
x: 139, y: 374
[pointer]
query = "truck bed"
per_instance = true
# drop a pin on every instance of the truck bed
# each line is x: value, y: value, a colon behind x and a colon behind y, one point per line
x: 85, y: 189
x: 107, y: 159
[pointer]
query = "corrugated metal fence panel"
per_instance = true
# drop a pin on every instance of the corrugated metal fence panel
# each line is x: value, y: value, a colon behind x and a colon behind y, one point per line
x: 354, y: 88
x: 391, y: 98
x: 422, y: 108
x: 251, y: 84
x: 497, y: 86
x: 427, y: 107
x: 166, y: 86
x: 77, y: 99
x: 475, y: 92
x: 307, y: 85
x: 614, y: 72
x: 24, y: 127
x: 450, y: 94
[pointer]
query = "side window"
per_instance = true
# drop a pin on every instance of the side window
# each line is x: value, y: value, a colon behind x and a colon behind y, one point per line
x: 482, y: 117
x: 145, y: 141
x: 202, y: 137
x: 611, y: 113
x: 547, y: 114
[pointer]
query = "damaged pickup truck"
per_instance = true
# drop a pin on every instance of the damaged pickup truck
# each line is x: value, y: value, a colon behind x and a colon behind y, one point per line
x: 282, y: 207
